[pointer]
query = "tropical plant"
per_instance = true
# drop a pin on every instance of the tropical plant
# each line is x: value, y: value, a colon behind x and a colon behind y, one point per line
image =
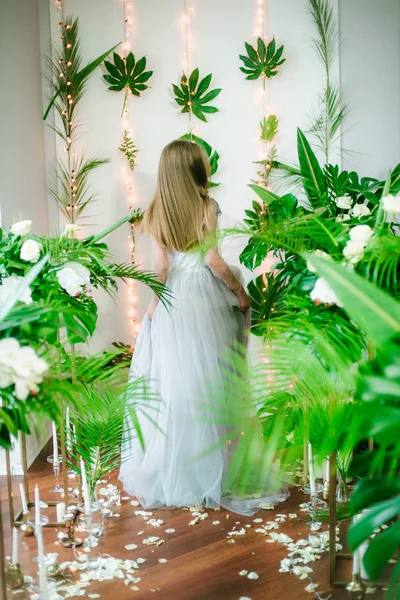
x: 192, y: 95
x: 269, y: 128
x: 128, y: 149
x: 100, y: 424
x: 212, y: 155
x: 310, y: 376
x: 376, y: 416
x: 67, y: 80
x: 262, y: 61
x: 127, y: 74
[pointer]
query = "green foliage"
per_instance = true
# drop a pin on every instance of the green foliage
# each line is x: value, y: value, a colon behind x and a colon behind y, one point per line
x: 269, y: 128
x: 100, y: 426
x: 128, y: 149
x: 127, y: 74
x: 212, y: 155
x: 331, y: 112
x: 67, y: 81
x: 312, y: 174
x: 262, y: 60
x: 193, y: 96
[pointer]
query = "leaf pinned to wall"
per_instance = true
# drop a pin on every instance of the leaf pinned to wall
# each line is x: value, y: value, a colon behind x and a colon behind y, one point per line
x: 193, y: 96
x: 127, y: 74
x: 262, y: 61
x: 128, y: 149
x: 269, y: 128
x: 212, y: 155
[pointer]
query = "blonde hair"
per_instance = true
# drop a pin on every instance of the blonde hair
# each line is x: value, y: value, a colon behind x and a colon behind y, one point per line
x: 180, y: 212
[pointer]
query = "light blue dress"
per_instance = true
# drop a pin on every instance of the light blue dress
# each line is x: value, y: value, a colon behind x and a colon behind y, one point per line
x: 183, y: 353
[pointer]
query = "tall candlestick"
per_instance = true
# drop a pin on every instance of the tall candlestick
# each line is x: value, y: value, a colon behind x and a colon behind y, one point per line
x: 38, y: 522
x: 311, y: 476
x: 85, y: 487
x: 356, y: 554
x: 55, y: 445
x: 39, y: 538
x: 60, y: 510
x: 68, y: 432
x: 23, y: 499
x: 15, y: 546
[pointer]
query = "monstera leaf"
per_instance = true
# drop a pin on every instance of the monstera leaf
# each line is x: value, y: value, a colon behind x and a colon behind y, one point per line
x: 193, y: 96
x: 212, y: 155
x: 263, y: 60
x: 127, y: 75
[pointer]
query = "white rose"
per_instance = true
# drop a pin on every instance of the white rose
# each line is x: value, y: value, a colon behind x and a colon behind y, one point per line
x: 9, y: 349
x: 361, y: 233
x: 6, y: 376
x: 360, y: 210
x: 320, y: 253
x: 345, y: 202
x: 30, y: 251
x: 341, y: 218
x: 21, y: 228
x: 354, y: 251
x: 70, y: 229
x: 28, y: 363
x: 72, y: 277
x: 22, y: 388
x: 391, y: 204
x: 323, y: 293
x: 8, y: 287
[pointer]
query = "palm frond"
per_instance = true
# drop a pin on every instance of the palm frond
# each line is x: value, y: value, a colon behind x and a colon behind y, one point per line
x: 326, y: 43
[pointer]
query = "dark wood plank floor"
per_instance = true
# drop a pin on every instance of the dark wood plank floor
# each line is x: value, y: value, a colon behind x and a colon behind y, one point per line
x: 201, y: 564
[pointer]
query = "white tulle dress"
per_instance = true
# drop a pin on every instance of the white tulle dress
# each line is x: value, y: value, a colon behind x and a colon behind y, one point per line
x: 182, y: 353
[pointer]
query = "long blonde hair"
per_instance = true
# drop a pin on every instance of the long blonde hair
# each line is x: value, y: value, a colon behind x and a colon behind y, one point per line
x: 180, y: 212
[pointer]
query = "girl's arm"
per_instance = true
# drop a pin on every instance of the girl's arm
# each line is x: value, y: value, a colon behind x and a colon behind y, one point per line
x: 161, y: 270
x: 221, y: 270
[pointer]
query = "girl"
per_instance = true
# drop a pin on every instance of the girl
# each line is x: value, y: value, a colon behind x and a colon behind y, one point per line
x: 182, y: 348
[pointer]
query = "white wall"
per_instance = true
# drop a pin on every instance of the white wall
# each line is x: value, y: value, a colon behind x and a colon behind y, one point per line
x: 369, y: 71
x: 22, y: 151
x: 218, y: 30
x: 370, y: 74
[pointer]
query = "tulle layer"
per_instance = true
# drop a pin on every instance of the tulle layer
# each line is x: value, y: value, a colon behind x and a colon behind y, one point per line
x: 182, y: 351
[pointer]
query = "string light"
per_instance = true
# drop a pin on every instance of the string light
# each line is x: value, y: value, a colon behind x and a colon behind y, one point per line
x: 187, y: 39
x: 127, y: 175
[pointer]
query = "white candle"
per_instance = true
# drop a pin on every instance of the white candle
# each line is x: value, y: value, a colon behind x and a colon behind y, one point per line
x: 60, y: 509
x: 327, y: 470
x: 356, y: 554
x: 39, y: 538
x: 313, y: 490
x: 38, y: 522
x: 85, y: 487
x: 15, y: 546
x: 68, y: 432
x: 55, y: 445
x: 23, y: 499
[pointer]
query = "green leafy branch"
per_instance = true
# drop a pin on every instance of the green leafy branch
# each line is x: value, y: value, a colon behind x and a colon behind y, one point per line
x: 212, y: 155
x: 192, y: 95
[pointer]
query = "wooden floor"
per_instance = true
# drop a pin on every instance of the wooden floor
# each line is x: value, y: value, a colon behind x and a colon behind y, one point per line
x: 201, y: 564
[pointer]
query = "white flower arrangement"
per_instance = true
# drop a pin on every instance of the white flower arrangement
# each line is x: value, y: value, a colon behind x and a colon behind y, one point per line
x: 21, y: 228
x: 73, y: 277
x: 391, y: 204
x: 70, y: 229
x: 20, y: 366
x: 30, y: 251
x: 345, y: 202
x: 324, y: 294
x: 355, y: 247
x: 360, y: 210
x: 8, y: 287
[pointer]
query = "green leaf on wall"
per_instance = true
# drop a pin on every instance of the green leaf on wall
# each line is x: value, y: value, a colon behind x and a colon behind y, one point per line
x: 193, y: 96
x: 262, y: 60
x: 127, y: 74
x: 269, y: 128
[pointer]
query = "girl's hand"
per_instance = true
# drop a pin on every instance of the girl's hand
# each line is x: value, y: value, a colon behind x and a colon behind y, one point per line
x: 244, y: 299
